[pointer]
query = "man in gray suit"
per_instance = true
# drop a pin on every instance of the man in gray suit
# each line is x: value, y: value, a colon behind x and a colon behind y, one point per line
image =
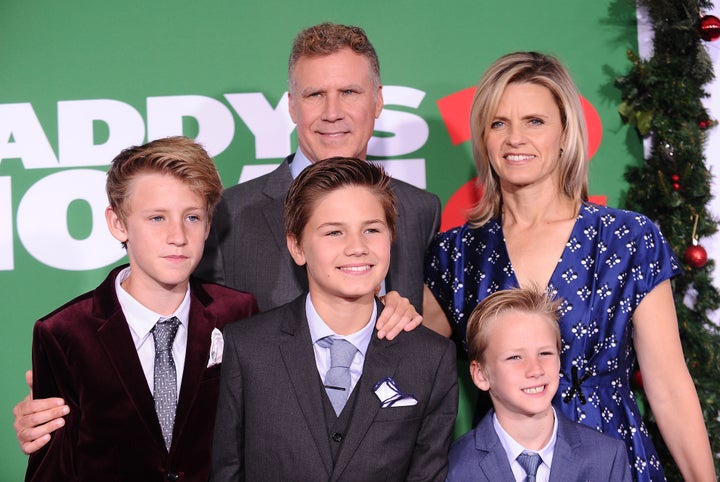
x: 288, y: 409
x: 335, y: 96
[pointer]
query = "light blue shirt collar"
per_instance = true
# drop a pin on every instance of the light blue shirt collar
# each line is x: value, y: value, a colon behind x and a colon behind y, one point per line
x: 299, y: 162
x: 319, y: 329
x: 360, y: 340
x: 513, y: 449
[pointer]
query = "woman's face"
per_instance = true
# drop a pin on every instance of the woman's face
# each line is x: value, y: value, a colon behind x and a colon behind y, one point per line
x: 525, y: 137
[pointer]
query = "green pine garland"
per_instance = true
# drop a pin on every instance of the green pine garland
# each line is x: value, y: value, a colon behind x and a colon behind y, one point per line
x: 662, y: 98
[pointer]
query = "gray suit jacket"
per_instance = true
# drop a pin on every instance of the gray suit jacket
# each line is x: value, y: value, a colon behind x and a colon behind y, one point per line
x: 271, y: 426
x: 246, y: 249
x: 581, y: 454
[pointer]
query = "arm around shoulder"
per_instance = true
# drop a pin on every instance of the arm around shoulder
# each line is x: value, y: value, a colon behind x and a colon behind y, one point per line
x: 53, y: 454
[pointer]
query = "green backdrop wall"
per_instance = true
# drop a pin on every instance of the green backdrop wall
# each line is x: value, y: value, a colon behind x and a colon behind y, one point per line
x: 82, y: 79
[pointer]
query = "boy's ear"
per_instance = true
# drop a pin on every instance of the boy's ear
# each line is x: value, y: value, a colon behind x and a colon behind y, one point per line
x: 115, y: 225
x: 479, y: 378
x: 295, y: 249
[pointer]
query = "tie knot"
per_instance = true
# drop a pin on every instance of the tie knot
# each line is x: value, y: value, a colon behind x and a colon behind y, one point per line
x: 530, y: 462
x: 164, y: 333
x: 342, y: 351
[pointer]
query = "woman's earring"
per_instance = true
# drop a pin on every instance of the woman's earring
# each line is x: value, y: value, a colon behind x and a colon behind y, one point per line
x: 561, y: 152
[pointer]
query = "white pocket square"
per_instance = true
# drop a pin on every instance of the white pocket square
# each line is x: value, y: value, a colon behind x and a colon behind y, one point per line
x: 390, y: 394
x: 216, y: 348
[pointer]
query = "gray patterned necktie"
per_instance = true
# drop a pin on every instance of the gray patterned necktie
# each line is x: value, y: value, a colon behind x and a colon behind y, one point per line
x: 530, y: 462
x: 337, y: 379
x: 165, y: 386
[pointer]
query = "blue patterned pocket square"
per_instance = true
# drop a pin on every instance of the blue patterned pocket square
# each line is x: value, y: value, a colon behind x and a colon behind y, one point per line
x: 391, y: 396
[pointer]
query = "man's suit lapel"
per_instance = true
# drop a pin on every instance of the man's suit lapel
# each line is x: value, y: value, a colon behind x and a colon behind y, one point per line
x: 299, y: 358
x: 275, y: 190
x: 395, y: 276
x: 114, y: 335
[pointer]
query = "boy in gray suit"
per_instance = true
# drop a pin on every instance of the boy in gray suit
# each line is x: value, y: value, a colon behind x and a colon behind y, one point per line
x: 308, y: 391
x: 514, y: 347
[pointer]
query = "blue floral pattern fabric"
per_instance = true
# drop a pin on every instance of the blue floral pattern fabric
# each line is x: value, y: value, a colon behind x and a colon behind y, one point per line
x: 612, y: 259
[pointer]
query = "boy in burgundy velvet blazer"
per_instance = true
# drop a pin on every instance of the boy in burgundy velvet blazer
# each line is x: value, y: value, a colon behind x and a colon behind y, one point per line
x: 97, y: 352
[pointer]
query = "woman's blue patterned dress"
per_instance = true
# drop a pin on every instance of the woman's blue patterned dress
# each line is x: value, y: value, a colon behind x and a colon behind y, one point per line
x: 612, y: 259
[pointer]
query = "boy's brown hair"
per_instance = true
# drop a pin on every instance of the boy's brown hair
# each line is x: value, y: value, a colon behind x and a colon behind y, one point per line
x: 324, y: 177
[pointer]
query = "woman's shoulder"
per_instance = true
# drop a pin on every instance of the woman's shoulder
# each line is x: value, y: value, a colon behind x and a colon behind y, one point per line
x: 469, y: 231
x: 613, y: 217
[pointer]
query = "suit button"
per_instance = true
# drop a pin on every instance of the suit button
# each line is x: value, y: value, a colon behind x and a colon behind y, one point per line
x: 173, y: 477
x: 337, y: 437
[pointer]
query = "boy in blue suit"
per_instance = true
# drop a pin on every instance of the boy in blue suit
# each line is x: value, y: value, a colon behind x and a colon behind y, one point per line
x: 514, y: 347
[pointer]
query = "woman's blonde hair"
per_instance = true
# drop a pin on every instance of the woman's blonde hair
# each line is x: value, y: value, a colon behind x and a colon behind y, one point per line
x: 546, y: 71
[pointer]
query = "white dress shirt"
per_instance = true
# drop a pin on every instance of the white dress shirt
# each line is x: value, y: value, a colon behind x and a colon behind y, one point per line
x: 141, y: 321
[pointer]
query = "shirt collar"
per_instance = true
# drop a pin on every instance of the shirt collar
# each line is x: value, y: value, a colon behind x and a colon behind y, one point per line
x: 140, y: 318
x: 513, y: 449
x: 319, y: 329
x: 299, y: 162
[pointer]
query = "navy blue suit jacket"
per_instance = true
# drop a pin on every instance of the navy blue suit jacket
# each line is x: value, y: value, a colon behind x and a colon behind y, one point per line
x: 581, y: 454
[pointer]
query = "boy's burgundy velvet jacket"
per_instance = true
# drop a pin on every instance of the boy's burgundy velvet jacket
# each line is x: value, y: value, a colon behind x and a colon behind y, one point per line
x: 84, y: 353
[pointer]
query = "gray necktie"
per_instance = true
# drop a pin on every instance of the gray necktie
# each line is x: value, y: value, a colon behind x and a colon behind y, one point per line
x: 337, y: 379
x: 530, y: 462
x: 165, y: 388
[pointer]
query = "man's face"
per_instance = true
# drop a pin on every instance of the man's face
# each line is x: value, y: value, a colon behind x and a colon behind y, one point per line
x: 334, y: 104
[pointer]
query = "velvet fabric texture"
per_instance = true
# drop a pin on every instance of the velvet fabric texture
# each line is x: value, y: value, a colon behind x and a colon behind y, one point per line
x: 84, y: 353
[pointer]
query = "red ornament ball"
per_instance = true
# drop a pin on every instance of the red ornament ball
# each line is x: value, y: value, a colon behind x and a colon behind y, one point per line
x: 676, y: 186
x: 696, y: 256
x: 709, y: 28
x: 637, y: 380
x: 675, y: 178
x: 703, y: 124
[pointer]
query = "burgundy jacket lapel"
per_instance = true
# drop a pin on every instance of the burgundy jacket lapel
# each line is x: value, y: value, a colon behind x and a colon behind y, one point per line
x: 114, y: 335
x: 200, y: 327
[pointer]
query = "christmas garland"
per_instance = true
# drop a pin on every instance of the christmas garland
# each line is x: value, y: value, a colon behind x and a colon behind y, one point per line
x: 662, y: 97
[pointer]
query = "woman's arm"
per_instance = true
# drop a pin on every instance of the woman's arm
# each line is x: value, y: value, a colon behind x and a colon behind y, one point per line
x: 668, y: 385
x: 434, y: 316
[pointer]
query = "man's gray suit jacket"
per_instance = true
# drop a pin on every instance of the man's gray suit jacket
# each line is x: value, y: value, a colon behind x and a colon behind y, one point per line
x: 271, y: 423
x: 581, y: 454
x: 246, y: 249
